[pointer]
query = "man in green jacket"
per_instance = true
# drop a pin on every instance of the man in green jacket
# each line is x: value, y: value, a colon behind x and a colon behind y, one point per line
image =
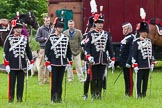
x: 75, y: 37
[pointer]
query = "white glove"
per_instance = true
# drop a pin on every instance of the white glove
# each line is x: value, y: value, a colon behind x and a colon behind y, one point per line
x: 68, y: 66
x: 152, y: 67
x: 91, y: 59
x: 112, y: 64
x: 8, y: 69
x: 83, y: 42
x: 49, y: 68
x: 127, y: 65
x: 136, y: 69
x: 30, y: 66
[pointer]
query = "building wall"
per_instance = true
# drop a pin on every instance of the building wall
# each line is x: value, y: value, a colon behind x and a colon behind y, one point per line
x: 76, y: 7
x: 116, y: 12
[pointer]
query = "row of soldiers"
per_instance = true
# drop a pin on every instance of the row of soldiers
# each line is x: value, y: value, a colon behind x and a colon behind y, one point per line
x: 135, y: 53
x: 18, y: 59
x: 97, y: 47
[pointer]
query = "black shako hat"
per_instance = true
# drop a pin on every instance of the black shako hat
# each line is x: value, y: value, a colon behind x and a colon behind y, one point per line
x: 59, y: 22
x: 90, y: 22
x: 17, y: 23
x: 98, y: 18
x: 143, y: 27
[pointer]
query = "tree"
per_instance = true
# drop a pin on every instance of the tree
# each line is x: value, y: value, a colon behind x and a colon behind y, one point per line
x: 8, y: 8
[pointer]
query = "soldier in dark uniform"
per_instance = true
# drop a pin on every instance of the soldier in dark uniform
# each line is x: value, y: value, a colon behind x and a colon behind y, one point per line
x: 90, y: 26
x: 142, y: 59
x: 16, y: 48
x: 99, y: 42
x: 125, y: 49
x: 57, y: 51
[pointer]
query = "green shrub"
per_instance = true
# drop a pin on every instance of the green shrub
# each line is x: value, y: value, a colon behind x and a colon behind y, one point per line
x: 1, y: 55
x: 33, y: 44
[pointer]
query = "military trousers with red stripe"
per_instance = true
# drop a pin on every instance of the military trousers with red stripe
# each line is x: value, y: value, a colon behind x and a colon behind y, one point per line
x: 128, y: 80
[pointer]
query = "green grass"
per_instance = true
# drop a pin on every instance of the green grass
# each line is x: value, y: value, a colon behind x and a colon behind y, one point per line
x: 39, y: 96
x: 1, y: 55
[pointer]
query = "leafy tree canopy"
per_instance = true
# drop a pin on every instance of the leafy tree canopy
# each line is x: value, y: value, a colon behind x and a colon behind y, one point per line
x: 8, y: 8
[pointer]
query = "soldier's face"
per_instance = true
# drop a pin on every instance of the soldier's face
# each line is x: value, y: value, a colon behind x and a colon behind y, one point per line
x: 99, y: 25
x: 59, y: 29
x: 18, y: 31
x: 143, y: 34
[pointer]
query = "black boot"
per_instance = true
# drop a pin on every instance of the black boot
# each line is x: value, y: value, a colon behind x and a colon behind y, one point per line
x: 93, y: 89
x: 144, y: 94
x: 139, y: 95
x: 104, y: 86
x: 126, y: 93
x: 59, y: 99
x: 104, y: 83
x: 54, y: 98
x: 19, y: 99
x: 10, y: 100
x: 99, y: 89
x: 86, y: 88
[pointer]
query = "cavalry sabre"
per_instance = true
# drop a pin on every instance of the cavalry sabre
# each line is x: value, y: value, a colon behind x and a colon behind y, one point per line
x: 117, y: 77
x: 27, y: 75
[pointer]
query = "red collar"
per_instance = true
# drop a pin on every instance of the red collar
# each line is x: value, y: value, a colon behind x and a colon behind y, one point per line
x: 98, y: 30
x: 142, y: 38
x: 16, y: 35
